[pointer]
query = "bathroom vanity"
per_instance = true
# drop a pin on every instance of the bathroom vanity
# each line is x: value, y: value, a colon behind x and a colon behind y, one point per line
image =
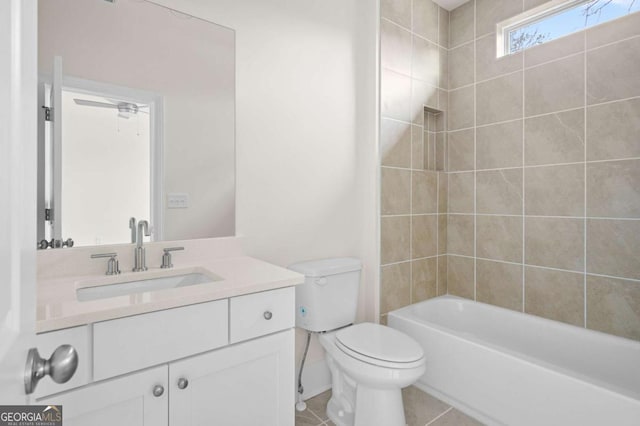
x: 220, y: 352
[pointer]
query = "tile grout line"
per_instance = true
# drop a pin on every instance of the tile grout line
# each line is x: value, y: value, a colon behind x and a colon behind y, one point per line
x: 524, y: 246
x: 584, y: 260
x: 440, y: 415
x: 475, y: 154
x: 436, y: 161
x: 411, y: 158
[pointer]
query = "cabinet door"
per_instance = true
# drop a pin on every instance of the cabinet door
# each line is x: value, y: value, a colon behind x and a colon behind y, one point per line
x: 251, y: 383
x: 128, y: 400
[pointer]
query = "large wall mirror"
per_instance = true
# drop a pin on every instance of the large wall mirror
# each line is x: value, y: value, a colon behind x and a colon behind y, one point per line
x: 138, y: 121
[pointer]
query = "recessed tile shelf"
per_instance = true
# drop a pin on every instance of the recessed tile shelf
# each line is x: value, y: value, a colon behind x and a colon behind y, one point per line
x: 435, y: 140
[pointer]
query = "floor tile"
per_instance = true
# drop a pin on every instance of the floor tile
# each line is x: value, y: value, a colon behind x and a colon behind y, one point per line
x: 455, y: 418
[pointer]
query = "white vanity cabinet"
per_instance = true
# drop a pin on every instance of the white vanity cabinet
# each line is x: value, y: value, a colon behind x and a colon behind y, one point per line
x: 247, y: 384
x: 179, y: 366
x: 128, y: 400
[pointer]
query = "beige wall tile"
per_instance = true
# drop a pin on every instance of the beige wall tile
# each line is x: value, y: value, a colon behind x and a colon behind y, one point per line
x: 499, y: 284
x: 613, y: 129
x: 424, y: 236
x: 426, y: 61
x: 554, y: 86
x: 395, y: 239
x: 443, y: 78
x: 554, y: 49
x: 499, y: 145
x: 490, y: 12
x: 609, y: 32
x: 621, y: 60
x: 442, y: 275
x: 395, y: 47
x: 488, y: 65
x: 395, y: 94
x: 424, y: 192
x: 499, y: 238
x: 499, y: 99
x: 443, y: 105
x: 395, y: 286
x: 441, y: 151
x: 460, y: 144
x: 424, y: 284
x: 461, y: 192
x: 417, y: 147
x: 460, y: 234
x: 443, y: 226
x: 554, y: 138
x: 613, y: 247
x: 443, y: 192
x: 613, y: 306
x: 499, y: 192
x: 395, y: 143
x: 555, y: 190
x: 529, y: 4
x: 425, y: 19
x: 422, y: 94
x: 430, y: 153
x: 398, y: 11
x: 461, y: 66
x: 555, y: 242
x: 383, y: 321
x: 555, y: 295
x: 460, y: 276
x: 461, y: 108
x: 613, y: 189
x: 395, y: 191
x: 461, y: 24
x: 443, y: 38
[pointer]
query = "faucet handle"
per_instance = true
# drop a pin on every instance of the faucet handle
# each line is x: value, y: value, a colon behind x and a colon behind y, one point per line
x: 113, y: 267
x: 166, y: 257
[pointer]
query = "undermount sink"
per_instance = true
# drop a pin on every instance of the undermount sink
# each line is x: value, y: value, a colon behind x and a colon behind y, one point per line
x: 144, y: 282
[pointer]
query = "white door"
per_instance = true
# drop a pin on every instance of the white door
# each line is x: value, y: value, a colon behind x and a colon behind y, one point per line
x: 139, y: 399
x: 250, y: 383
x: 18, y: 113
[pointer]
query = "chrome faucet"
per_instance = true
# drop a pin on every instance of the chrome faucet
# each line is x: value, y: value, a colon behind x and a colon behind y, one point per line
x: 140, y: 263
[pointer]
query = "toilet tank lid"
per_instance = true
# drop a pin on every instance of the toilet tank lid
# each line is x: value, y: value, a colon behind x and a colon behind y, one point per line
x: 324, y: 267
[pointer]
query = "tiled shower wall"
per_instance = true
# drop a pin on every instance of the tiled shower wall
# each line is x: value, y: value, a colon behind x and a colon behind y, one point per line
x: 544, y: 170
x: 414, y: 41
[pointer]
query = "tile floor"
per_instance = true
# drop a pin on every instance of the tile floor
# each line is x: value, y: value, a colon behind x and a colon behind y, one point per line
x: 420, y: 409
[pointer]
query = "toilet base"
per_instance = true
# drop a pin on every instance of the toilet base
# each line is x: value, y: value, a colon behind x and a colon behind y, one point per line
x: 384, y: 408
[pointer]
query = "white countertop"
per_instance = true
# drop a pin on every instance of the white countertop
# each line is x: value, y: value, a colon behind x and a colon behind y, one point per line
x: 58, y: 306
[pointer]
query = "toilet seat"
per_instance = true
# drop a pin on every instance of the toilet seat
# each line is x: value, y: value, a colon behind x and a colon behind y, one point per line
x: 380, y: 345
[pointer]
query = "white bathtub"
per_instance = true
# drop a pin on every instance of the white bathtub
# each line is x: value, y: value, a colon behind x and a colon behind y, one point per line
x: 505, y: 367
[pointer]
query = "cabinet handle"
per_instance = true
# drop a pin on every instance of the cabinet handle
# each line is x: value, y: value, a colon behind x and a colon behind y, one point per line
x: 158, y: 390
x: 182, y: 383
x: 267, y: 315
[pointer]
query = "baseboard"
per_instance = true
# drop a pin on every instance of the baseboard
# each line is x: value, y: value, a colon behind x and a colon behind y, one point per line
x: 316, y: 378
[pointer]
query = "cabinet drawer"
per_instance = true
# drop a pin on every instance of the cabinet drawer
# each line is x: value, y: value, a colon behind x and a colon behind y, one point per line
x: 46, y: 343
x: 140, y: 341
x: 258, y: 314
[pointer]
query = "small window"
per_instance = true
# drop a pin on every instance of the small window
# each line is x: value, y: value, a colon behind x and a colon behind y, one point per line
x: 557, y: 18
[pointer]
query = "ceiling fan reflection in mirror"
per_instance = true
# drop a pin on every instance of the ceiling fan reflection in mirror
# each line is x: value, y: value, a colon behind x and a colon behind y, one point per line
x: 125, y: 109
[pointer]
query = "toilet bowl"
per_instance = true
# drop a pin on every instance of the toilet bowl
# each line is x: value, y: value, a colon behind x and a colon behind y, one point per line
x: 370, y: 364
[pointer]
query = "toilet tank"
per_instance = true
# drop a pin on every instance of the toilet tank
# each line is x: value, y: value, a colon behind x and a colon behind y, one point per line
x: 328, y: 299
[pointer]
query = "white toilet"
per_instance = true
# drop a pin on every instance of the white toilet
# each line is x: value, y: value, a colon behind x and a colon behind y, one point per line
x: 369, y: 363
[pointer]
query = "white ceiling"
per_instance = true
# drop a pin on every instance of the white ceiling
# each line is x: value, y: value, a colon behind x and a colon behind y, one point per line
x: 450, y: 4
